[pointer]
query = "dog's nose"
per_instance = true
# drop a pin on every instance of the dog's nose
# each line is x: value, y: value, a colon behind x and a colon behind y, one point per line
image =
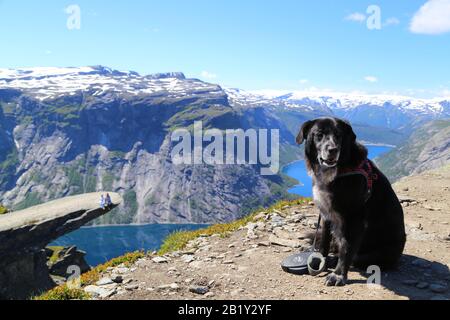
x: 332, y: 151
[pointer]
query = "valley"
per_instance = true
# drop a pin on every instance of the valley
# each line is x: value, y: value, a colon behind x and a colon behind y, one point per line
x: 66, y: 131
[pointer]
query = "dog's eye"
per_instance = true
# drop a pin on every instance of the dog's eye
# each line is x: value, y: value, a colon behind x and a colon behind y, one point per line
x: 319, y: 136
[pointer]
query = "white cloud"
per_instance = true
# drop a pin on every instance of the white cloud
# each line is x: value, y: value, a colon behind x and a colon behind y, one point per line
x: 304, y: 81
x: 356, y: 17
x: 208, y: 75
x: 391, y: 22
x: 432, y: 18
x: 48, y: 52
x: 371, y: 79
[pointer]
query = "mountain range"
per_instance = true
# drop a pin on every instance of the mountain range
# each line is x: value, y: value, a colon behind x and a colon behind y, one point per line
x: 66, y: 131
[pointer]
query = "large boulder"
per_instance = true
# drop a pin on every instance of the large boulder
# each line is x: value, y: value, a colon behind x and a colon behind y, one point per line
x: 25, y: 234
x: 60, y: 259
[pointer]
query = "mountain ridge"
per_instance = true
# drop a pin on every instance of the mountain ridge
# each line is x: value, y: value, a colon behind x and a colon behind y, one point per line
x: 65, y: 131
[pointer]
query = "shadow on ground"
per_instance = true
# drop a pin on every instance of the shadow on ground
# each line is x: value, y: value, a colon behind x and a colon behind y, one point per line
x: 416, y: 278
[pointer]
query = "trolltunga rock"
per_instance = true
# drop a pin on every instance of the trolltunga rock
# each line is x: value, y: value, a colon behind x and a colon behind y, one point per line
x: 25, y: 234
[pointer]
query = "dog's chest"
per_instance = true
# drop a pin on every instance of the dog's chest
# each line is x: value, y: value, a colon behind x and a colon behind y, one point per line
x: 322, y: 199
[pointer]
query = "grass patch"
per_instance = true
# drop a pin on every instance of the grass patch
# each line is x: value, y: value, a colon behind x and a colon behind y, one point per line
x: 178, y: 240
x: 63, y: 292
x: 56, y: 250
x: 32, y: 199
x: 3, y: 210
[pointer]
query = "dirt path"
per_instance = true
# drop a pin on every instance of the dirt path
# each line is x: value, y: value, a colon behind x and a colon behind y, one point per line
x: 246, y: 265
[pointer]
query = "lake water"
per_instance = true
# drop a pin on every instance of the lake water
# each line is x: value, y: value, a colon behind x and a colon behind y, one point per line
x: 297, y: 170
x: 104, y: 243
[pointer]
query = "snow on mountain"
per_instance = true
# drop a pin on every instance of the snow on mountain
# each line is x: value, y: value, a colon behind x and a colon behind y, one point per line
x: 348, y: 101
x: 50, y: 83
x: 386, y: 111
x: 383, y: 110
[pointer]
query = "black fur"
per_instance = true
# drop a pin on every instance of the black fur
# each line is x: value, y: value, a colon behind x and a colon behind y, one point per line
x: 366, y: 233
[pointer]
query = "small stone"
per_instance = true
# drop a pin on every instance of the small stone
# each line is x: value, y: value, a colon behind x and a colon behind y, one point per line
x: 104, y: 282
x: 117, y: 278
x: 232, y: 245
x: 405, y: 199
x: 264, y: 244
x: 438, y: 288
x: 132, y: 287
x: 237, y: 292
x: 127, y: 281
x: 95, y: 290
x: 121, y: 270
x: 174, y: 286
x: 171, y: 287
x: 159, y: 260
x: 209, y: 295
x: 188, y: 280
x: 198, y: 289
x: 284, y: 242
x: 108, y: 293
x: 187, y: 258
x: 228, y: 262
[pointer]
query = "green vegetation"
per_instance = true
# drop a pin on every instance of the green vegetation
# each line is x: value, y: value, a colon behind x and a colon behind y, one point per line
x: 417, y: 150
x: 56, y: 250
x: 178, y: 240
x: 63, y: 292
x: 117, y: 154
x: 3, y: 210
x: 130, y: 201
x: 32, y: 199
x: 8, y: 167
x: 108, y: 181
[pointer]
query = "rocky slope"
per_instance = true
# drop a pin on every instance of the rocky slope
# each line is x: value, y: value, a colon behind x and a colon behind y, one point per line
x: 246, y: 264
x: 427, y: 148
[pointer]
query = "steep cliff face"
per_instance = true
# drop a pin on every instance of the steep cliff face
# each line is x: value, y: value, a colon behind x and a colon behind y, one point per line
x: 427, y: 148
x: 57, y: 143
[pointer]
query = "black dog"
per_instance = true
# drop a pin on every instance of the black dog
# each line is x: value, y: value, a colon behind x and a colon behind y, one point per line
x: 360, y: 211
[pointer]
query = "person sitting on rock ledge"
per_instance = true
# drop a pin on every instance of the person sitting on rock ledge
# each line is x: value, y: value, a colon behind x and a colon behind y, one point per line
x: 108, y: 200
x: 102, y: 202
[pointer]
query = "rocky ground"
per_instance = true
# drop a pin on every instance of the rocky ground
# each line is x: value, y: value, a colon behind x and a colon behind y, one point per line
x: 246, y: 264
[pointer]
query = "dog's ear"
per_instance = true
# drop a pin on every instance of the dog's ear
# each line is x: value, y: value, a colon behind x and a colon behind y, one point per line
x: 304, y: 131
x: 347, y: 129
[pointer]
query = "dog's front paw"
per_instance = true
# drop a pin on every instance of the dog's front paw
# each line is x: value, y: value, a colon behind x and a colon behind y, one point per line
x: 335, y: 280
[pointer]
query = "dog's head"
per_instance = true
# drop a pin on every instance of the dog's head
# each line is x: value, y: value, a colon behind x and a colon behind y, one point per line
x: 328, y: 141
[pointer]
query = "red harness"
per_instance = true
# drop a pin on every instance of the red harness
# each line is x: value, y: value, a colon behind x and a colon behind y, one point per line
x: 365, y: 169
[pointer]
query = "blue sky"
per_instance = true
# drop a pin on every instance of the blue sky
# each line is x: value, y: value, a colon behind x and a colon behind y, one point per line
x: 283, y: 44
